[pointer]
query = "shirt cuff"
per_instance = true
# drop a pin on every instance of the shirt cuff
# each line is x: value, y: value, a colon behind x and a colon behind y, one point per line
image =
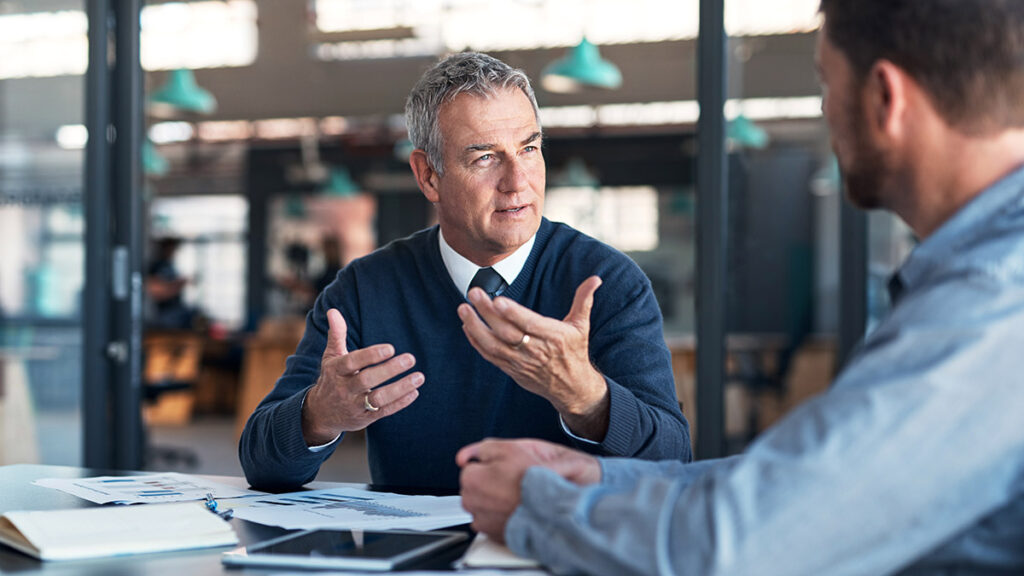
x: 565, y: 428
x: 321, y: 447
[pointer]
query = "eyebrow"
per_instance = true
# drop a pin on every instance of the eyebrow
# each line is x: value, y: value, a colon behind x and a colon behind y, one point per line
x: 481, y: 147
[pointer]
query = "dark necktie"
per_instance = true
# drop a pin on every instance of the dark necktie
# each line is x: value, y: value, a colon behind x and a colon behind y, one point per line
x: 489, y: 280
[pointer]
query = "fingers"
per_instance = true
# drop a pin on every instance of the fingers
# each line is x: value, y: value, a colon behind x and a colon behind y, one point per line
x: 507, y: 319
x: 582, y: 303
x: 375, y: 374
x: 479, y: 335
x: 337, y: 331
x: 396, y: 395
x: 358, y: 360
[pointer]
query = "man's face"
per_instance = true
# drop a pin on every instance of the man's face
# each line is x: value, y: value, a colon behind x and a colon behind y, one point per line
x: 862, y: 164
x: 490, y: 198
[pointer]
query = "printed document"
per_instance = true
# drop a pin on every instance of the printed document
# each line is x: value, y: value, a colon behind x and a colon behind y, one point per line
x: 148, y: 489
x: 352, y: 509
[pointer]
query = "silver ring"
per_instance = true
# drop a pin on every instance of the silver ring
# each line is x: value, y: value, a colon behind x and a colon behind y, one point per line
x: 366, y: 404
x: 523, y: 342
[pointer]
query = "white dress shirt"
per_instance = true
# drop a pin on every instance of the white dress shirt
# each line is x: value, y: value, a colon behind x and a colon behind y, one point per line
x: 462, y: 270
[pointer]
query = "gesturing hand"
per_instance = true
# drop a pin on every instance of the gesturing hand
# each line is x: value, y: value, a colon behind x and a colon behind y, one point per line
x: 492, y: 475
x: 346, y: 397
x: 546, y: 356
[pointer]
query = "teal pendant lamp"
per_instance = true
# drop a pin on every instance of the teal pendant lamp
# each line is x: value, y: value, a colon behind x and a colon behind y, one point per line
x: 153, y: 164
x: 743, y: 133
x: 575, y: 175
x: 581, y: 68
x: 182, y: 93
x: 340, y: 184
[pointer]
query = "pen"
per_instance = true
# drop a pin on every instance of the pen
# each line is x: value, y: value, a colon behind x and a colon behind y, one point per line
x: 211, y: 505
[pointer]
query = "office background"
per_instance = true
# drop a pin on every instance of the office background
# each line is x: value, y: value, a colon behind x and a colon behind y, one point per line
x: 265, y: 138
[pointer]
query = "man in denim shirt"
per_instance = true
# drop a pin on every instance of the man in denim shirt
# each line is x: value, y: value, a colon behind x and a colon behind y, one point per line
x: 914, y: 460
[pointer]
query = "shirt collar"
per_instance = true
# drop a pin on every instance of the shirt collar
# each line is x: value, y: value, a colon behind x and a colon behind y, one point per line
x: 462, y: 270
x: 973, y: 219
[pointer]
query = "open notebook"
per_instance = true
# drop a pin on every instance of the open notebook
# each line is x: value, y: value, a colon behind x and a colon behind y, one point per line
x: 114, y: 530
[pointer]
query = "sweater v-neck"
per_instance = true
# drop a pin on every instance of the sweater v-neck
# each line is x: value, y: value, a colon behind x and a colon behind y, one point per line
x: 515, y: 290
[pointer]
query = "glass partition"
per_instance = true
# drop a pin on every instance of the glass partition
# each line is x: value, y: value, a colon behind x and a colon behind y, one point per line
x: 43, y: 50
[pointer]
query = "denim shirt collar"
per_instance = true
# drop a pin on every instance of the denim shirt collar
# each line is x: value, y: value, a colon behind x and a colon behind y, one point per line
x: 967, y: 224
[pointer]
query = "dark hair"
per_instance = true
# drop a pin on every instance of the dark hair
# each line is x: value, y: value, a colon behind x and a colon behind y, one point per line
x: 967, y: 54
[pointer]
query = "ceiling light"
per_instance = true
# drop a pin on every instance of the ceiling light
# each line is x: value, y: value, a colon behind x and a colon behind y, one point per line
x: 582, y: 67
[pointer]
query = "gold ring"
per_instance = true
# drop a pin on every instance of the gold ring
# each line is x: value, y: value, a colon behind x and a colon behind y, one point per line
x: 366, y: 404
x: 523, y: 342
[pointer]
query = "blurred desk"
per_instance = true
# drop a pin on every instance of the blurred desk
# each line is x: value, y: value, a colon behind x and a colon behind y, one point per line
x: 20, y: 494
x: 18, y: 439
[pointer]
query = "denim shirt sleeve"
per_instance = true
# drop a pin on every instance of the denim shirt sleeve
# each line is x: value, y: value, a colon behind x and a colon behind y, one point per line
x: 916, y: 443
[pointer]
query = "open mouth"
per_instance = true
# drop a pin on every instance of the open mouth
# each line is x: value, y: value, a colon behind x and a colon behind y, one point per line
x: 513, y: 210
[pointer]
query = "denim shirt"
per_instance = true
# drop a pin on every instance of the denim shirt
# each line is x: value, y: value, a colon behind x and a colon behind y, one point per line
x: 912, y: 462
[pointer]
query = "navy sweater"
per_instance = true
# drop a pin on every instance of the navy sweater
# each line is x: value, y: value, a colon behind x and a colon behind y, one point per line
x: 402, y: 294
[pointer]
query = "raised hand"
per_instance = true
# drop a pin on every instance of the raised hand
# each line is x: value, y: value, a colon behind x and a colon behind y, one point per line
x: 348, y: 395
x: 546, y: 356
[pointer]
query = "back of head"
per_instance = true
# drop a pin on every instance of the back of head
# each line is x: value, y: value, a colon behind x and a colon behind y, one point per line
x: 968, y: 55
x: 466, y: 72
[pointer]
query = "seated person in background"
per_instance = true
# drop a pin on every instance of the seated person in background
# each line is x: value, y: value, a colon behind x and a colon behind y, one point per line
x: 546, y: 359
x: 914, y: 460
x: 164, y: 287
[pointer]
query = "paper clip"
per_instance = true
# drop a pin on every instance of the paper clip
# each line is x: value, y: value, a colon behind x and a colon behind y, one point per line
x: 211, y: 505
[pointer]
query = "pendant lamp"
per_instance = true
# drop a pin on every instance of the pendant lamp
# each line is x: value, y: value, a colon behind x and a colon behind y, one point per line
x: 153, y: 164
x: 582, y: 67
x: 182, y: 93
x: 743, y: 133
x: 340, y: 184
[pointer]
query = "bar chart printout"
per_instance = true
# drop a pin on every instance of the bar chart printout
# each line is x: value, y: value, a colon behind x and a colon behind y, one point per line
x: 353, y: 509
x: 146, y: 489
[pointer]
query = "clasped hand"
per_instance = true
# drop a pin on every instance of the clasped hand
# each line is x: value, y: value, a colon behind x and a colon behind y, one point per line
x: 546, y: 356
x: 349, y: 382
x: 493, y: 470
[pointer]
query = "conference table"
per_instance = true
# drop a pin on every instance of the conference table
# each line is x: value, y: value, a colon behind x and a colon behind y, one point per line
x: 18, y: 493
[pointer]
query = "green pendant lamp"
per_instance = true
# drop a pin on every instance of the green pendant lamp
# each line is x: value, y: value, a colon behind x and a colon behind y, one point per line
x: 581, y: 68
x: 743, y: 133
x: 340, y: 184
x: 575, y: 175
x: 153, y: 164
x: 182, y: 93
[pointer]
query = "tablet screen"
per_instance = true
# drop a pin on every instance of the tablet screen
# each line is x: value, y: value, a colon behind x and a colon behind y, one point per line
x: 379, y: 550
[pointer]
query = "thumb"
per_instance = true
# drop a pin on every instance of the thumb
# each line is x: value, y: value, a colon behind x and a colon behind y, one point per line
x: 336, y: 333
x: 579, y: 315
x: 468, y: 454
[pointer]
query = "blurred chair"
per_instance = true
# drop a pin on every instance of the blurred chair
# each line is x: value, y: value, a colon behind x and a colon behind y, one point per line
x: 263, y: 362
x: 171, y: 371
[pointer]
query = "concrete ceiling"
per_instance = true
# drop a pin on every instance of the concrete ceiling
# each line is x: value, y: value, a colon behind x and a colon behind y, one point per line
x: 285, y: 81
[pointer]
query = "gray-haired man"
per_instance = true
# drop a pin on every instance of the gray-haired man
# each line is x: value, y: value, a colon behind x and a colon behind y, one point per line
x: 544, y: 358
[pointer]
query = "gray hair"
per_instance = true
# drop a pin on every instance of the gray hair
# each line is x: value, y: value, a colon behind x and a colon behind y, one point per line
x: 469, y: 72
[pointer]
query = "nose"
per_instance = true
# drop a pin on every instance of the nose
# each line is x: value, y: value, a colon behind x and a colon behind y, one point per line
x: 514, y: 178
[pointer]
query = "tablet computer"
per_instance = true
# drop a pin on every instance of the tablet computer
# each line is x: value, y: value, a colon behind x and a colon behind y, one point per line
x: 344, y: 549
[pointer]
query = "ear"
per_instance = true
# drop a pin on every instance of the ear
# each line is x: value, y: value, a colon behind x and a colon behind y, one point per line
x: 887, y: 92
x: 426, y: 176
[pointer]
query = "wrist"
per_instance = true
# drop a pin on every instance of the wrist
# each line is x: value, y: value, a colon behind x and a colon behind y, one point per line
x: 312, y: 431
x: 589, y: 415
x: 588, y: 400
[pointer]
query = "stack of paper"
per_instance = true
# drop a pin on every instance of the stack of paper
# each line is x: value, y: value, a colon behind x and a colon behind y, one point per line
x: 147, y: 489
x: 113, y: 531
x: 352, y: 509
